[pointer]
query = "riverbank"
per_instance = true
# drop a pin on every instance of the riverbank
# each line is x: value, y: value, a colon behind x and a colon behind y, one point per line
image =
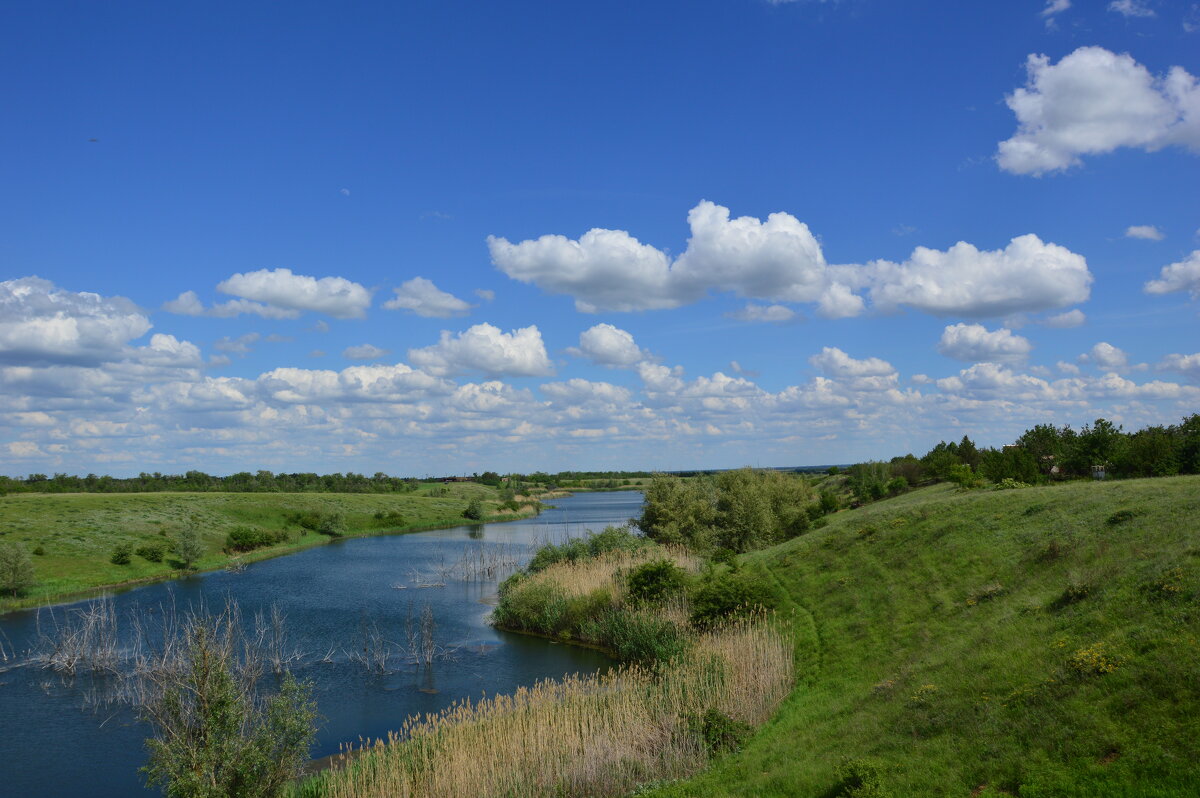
x: 72, y: 537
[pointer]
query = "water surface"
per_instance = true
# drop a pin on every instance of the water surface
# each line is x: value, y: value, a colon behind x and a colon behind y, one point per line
x: 53, y: 744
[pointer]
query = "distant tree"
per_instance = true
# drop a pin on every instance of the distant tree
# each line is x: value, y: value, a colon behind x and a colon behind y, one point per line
x: 122, y: 553
x: 188, y: 546
x: 333, y: 524
x: 474, y: 510
x: 16, y: 568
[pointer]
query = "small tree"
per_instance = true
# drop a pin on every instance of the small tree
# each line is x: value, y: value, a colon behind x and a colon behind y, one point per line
x: 333, y: 524
x: 16, y: 568
x: 474, y: 510
x: 121, y: 554
x: 189, y: 547
x: 215, y: 735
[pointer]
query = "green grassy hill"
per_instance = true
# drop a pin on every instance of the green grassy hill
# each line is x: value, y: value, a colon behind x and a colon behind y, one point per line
x: 1034, y: 642
x: 77, y: 532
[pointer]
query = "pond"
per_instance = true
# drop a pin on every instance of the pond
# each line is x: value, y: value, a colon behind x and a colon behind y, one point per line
x: 56, y: 741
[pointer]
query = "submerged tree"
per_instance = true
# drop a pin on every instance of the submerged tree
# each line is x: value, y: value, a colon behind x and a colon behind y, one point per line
x: 215, y: 734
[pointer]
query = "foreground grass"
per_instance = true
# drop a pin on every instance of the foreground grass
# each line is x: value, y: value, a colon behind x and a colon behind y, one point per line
x: 1034, y: 642
x: 78, y: 531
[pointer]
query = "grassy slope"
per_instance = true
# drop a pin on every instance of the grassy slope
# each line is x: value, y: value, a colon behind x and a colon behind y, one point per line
x: 79, y: 530
x: 905, y: 660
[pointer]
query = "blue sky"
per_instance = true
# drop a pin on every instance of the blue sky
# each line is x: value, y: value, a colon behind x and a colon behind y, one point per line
x: 355, y: 236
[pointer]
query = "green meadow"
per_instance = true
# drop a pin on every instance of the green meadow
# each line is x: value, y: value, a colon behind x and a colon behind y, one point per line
x: 72, y: 536
x: 1035, y: 642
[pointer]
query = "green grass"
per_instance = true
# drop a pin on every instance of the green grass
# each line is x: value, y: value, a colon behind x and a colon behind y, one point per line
x: 1034, y: 642
x: 78, y: 531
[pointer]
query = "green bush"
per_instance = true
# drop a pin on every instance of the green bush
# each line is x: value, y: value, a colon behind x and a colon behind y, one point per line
x: 474, y: 510
x: 655, y: 581
x: 726, y: 595
x: 40, y: 550
x: 859, y: 778
x: 716, y: 732
x: 152, y: 552
x: 333, y: 524
x: 121, y: 554
x: 389, y: 518
x: 245, y: 538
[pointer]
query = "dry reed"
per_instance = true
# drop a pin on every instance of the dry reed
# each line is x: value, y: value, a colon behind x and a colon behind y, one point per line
x: 595, y: 735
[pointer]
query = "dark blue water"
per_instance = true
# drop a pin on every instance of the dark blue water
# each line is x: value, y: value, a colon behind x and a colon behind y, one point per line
x: 53, y: 742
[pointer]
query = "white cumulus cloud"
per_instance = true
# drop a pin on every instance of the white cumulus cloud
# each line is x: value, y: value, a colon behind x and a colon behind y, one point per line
x: 1028, y: 275
x: 1187, y: 365
x: 1062, y: 321
x: 485, y: 348
x: 1147, y: 232
x: 1181, y: 276
x: 1105, y: 355
x: 1092, y: 102
x: 40, y: 322
x: 780, y: 260
x: 974, y: 343
x: 836, y: 363
x: 296, y: 293
x: 422, y: 297
x: 607, y: 345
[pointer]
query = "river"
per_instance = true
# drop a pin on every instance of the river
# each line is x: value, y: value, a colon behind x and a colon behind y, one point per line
x: 54, y: 743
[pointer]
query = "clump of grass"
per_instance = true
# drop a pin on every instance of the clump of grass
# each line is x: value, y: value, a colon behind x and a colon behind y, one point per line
x: 985, y: 593
x: 584, y: 735
x: 1120, y: 517
x: 1094, y: 660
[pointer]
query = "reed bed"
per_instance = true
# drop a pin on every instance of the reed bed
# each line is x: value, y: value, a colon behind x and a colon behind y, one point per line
x: 598, y: 735
x: 606, y: 571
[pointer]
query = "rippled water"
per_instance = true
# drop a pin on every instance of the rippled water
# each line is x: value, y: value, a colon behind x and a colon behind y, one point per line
x: 52, y: 745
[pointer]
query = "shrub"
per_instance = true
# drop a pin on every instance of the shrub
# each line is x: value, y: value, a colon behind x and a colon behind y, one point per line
x: 655, y: 581
x: 121, y: 554
x: 389, y: 518
x: 333, y: 524
x: 859, y: 778
x: 474, y: 510
x: 727, y: 595
x: 716, y: 732
x: 16, y: 569
x: 828, y: 502
x: 40, y: 551
x: 152, y: 552
x: 896, y: 486
x: 245, y: 538
x: 1008, y: 483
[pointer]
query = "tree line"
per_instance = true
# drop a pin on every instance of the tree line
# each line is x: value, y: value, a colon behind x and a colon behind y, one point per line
x: 1042, y: 454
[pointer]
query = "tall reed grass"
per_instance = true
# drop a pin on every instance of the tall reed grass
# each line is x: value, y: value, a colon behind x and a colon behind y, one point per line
x: 597, y: 735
